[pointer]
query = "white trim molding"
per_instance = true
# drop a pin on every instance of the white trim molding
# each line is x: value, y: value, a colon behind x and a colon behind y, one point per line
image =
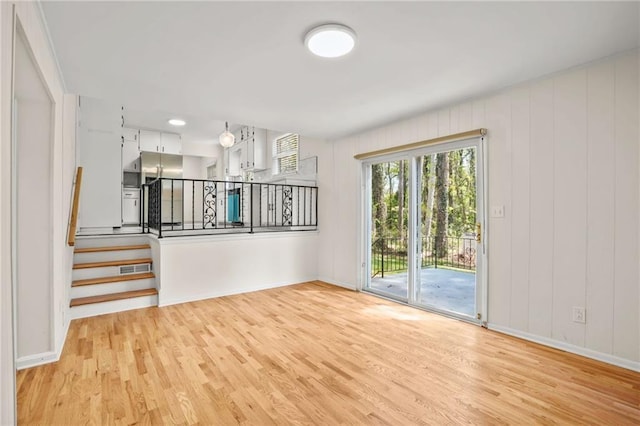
x: 215, y: 294
x: 36, y: 359
x: 567, y: 347
x: 342, y: 284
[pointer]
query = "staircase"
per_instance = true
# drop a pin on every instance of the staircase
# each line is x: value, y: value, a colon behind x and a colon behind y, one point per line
x: 112, y: 274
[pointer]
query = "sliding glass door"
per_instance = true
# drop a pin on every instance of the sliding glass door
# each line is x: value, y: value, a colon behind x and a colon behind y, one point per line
x: 423, y: 228
x: 388, y: 247
x: 448, y: 231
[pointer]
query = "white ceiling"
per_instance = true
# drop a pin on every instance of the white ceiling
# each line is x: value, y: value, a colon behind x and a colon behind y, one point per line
x: 245, y: 61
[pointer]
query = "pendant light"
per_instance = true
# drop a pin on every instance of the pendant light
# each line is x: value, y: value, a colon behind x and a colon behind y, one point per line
x: 226, y: 138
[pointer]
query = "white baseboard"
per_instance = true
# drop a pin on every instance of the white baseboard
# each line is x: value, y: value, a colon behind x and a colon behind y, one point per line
x: 46, y: 357
x: 63, y: 337
x: 567, y: 347
x: 342, y: 284
x: 36, y: 359
x: 221, y: 293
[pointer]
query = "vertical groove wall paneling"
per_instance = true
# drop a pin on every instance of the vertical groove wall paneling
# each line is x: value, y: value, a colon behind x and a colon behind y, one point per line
x: 520, y: 209
x: 454, y: 120
x: 600, y: 208
x: 583, y: 196
x: 444, y: 123
x: 432, y: 128
x: 625, y: 322
x: 466, y: 117
x: 570, y: 202
x: 498, y: 119
x: 541, y: 169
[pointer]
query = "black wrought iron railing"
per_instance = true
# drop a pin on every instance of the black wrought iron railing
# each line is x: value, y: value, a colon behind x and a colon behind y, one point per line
x: 173, y: 207
x: 390, y: 254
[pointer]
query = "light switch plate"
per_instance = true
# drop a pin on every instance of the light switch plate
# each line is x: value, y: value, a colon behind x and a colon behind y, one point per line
x: 497, y: 211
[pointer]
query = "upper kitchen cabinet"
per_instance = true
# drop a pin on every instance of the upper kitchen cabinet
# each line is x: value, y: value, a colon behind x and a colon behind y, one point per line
x: 233, y: 160
x: 171, y: 143
x: 254, y: 154
x: 131, y: 135
x: 130, y: 150
x: 130, y: 156
x: 99, y: 152
x: 154, y: 141
x: 149, y: 141
x: 249, y: 152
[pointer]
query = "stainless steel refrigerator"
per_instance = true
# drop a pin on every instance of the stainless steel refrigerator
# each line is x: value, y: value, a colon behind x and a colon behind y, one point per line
x: 168, y: 167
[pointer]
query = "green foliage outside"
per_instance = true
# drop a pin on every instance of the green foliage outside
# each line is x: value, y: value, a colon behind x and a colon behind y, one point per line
x: 390, y: 195
x: 447, y: 203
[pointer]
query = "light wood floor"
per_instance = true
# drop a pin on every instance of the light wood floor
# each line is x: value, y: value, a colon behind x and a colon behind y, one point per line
x: 314, y: 354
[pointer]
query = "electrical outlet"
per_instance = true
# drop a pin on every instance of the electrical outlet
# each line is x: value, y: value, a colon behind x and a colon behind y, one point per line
x: 579, y: 315
x: 497, y: 211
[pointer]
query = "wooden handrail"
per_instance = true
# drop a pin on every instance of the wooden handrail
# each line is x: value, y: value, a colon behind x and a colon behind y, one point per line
x: 71, y: 238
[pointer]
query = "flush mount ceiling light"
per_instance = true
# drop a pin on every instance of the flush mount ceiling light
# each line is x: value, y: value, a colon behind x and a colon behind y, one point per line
x: 177, y: 122
x: 226, y: 138
x: 330, y: 40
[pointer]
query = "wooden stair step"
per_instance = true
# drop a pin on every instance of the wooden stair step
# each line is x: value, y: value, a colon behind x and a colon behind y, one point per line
x: 113, y: 279
x: 112, y: 263
x: 114, y: 296
x: 112, y: 248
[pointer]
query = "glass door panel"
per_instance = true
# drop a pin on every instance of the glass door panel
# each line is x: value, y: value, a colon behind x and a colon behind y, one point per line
x: 446, y: 279
x: 388, y: 243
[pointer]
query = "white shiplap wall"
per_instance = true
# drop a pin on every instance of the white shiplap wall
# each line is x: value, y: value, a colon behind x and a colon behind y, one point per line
x: 563, y: 159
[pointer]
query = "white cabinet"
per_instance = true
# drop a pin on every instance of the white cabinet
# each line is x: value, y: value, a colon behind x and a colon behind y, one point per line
x: 233, y: 160
x: 130, y: 156
x: 249, y: 153
x: 149, y: 141
x: 255, y: 149
x: 130, y: 135
x: 154, y: 141
x: 170, y: 143
x: 99, y: 152
x: 131, y: 206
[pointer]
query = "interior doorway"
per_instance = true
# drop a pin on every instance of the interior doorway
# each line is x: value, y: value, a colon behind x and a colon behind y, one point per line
x: 32, y: 222
x: 424, y: 226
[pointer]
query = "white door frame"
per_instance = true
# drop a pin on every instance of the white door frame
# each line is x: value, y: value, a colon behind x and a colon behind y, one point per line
x: 412, y: 266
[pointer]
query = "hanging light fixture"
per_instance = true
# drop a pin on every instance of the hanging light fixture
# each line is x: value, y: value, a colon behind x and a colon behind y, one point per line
x: 226, y: 138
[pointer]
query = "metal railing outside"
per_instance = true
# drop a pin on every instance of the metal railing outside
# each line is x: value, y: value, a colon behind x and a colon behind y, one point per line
x: 390, y: 254
x: 175, y: 207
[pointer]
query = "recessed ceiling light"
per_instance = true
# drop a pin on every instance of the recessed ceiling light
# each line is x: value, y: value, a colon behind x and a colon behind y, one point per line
x: 177, y: 122
x: 330, y: 40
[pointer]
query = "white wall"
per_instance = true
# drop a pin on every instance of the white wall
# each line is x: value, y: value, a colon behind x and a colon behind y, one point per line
x: 33, y: 229
x: 202, y: 267
x: 193, y: 168
x: 563, y: 159
x: 7, y: 370
x: 196, y: 149
x: 62, y: 153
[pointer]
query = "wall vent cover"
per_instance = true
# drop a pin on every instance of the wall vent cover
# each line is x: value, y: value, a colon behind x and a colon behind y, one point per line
x: 132, y: 269
x: 129, y: 269
x: 142, y: 268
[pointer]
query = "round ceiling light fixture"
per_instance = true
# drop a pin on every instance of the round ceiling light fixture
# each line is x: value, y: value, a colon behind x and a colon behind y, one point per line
x: 330, y: 40
x: 177, y: 122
